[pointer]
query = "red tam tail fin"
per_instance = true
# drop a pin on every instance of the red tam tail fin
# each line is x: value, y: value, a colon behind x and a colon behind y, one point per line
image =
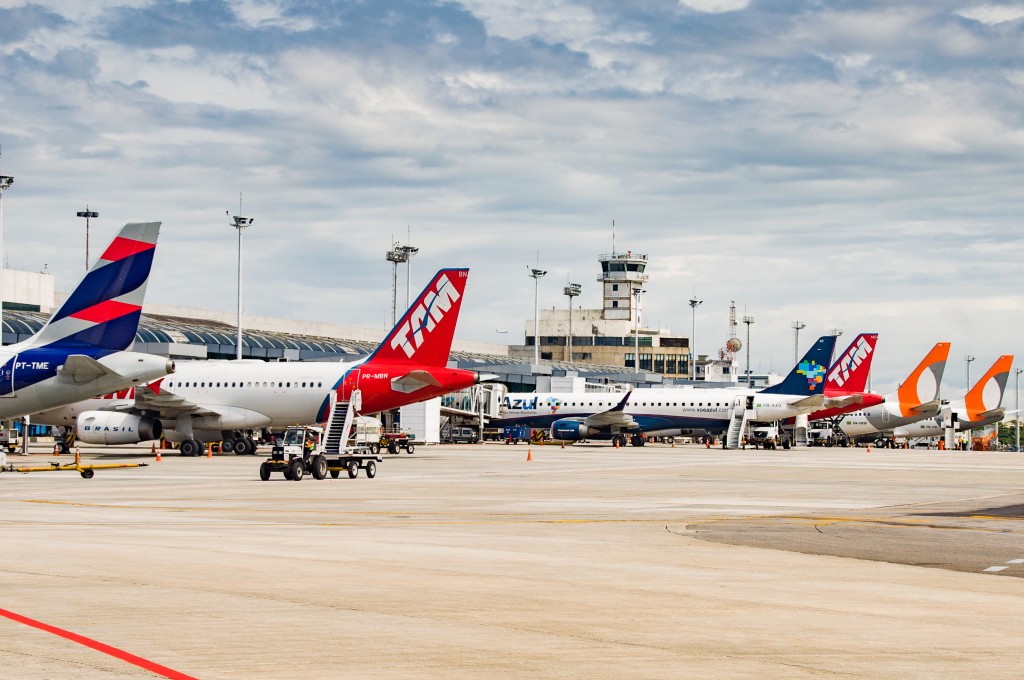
x: 850, y: 371
x: 424, y: 334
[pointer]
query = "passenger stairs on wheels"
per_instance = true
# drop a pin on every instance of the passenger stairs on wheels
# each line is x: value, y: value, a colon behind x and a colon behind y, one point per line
x: 739, y: 418
x: 340, y: 421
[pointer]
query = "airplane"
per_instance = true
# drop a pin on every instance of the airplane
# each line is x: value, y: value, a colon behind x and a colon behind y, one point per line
x: 981, y: 406
x: 80, y: 352
x: 575, y: 416
x: 221, y: 400
x: 916, y: 399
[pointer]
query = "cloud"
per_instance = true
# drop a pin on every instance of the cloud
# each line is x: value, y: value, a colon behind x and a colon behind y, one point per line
x: 853, y: 165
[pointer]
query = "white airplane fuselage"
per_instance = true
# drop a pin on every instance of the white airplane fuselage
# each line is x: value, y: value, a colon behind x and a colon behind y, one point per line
x: 245, y: 394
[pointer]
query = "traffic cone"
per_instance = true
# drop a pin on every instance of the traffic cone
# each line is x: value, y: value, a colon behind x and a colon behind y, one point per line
x: 616, y: 442
x: 529, y: 455
x: 869, y: 448
x: 152, y: 449
x: 56, y: 449
x: 673, y: 443
x: 158, y: 458
x: 563, y: 443
x: 209, y: 450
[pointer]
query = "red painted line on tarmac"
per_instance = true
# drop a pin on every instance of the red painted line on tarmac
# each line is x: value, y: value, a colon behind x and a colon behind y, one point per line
x: 98, y: 646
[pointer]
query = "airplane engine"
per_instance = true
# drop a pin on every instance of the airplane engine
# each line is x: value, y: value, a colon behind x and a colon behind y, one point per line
x: 110, y: 427
x: 571, y: 430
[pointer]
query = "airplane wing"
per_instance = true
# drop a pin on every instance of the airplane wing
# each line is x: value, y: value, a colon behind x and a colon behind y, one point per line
x: 813, y: 401
x: 414, y: 380
x: 613, y: 417
x: 153, y: 398
x: 79, y: 369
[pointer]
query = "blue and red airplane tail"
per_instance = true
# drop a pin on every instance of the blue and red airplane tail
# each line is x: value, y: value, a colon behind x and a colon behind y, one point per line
x: 808, y: 376
x: 104, y: 309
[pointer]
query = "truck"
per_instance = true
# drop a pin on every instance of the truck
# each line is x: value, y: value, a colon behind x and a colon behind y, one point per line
x: 10, y: 438
x: 822, y: 433
x: 767, y: 437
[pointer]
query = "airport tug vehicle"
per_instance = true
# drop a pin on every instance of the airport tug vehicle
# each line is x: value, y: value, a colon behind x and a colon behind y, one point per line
x: 348, y: 444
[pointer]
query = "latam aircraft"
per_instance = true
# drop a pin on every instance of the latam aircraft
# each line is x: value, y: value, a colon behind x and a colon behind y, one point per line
x: 981, y: 406
x: 574, y: 416
x: 847, y: 377
x: 916, y: 399
x: 79, y: 352
x: 221, y: 400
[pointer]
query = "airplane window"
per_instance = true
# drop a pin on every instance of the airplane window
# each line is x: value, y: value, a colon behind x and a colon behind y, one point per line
x: 303, y: 384
x: 218, y: 383
x: 248, y: 384
x: 280, y: 384
x: 319, y: 384
x: 233, y: 385
x: 288, y: 384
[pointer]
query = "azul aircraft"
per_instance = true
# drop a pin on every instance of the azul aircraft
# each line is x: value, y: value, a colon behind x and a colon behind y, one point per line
x: 222, y: 400
x: 79, y: 353
x: 574, y: 416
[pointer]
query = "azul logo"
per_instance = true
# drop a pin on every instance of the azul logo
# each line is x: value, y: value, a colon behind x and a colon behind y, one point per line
x: 849, y: 362
x: 813, y: 371
x: 520, y: 404
x: 425, y: 317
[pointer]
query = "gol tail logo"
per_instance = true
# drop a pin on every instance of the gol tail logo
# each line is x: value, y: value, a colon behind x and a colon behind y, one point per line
x: 425, y: 316
x: 849, y: 362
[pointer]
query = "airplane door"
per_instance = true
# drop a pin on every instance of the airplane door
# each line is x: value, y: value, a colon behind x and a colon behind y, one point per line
x: 7, y: 377
x: 750, y: 403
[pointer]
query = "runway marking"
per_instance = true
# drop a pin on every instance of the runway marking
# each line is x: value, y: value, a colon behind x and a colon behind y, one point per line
x: 995, y: 569
x: 150, y: 666
x: 1015, y: 562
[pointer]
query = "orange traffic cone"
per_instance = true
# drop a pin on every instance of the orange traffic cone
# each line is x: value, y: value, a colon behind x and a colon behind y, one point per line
x: 158, y: 457
x: 209, y: 450
x: 529, y: 455
x: 616, y: 442
x: 56, y: 449
x: 869, y: 448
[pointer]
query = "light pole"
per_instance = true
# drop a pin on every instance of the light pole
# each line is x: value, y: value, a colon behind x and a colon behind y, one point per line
x: 395, y: 256
x: 968, y: 358
x: 694, y: 303
x: 797, y: 327
x: 750, y: 377
x: 537, y: 275
x: 87, y: 214
x: 637, y: 292
x: 1016, y: 389
x: 5, y: 183
x: 409, y: 252
x: 240, y: 223
x: 571, y: 290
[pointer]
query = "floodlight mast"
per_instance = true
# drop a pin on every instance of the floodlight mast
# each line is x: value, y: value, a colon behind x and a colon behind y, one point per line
x: 571, y: 290
x: 694, y: 303
x: 5, y: 183
x: 750, y: 376
x: 536, y: 275
x: 637, y: 292
x: 397, y: 255
x: 87, y: 214
x: 240, y: 223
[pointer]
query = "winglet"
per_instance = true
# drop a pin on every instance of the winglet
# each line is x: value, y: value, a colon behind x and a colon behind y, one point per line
x: 425, y: 332
x: 808, y: 376
x: 975, y: 398
x: 908, y: 396
x: 104, y: 309
x: 849, y: 373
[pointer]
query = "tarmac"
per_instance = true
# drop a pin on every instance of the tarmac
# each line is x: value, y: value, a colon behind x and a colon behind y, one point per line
x: 470, y: 561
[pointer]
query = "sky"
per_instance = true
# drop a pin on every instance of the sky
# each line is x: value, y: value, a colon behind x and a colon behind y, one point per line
x: 851, y: 165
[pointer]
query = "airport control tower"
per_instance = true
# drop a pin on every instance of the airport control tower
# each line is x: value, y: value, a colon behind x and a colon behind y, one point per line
x: 621, y: 274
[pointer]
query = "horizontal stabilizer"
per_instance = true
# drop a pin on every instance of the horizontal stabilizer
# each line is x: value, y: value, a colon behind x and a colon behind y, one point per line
x: 814, y: 401
x: 929, y: 407
x: 414, y: 380
x: 80, y: 369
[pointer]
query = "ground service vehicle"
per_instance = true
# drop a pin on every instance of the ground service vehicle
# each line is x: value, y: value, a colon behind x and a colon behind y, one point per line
x: 767, y: 437
x: 464, y: 435
x: 335, y: 450
x: 395, y: 441
x: 10, y: 439
x: 513, y: 434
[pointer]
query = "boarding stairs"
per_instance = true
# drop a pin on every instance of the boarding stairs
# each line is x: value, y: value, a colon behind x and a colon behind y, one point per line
x: 739, y: 419
x: 340, y: 420
x: 800, y: 427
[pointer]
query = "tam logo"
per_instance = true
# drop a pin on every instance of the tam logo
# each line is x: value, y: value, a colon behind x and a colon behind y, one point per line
x: 425, y: 317
x: 813, y: 371
x: 849, y: 362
